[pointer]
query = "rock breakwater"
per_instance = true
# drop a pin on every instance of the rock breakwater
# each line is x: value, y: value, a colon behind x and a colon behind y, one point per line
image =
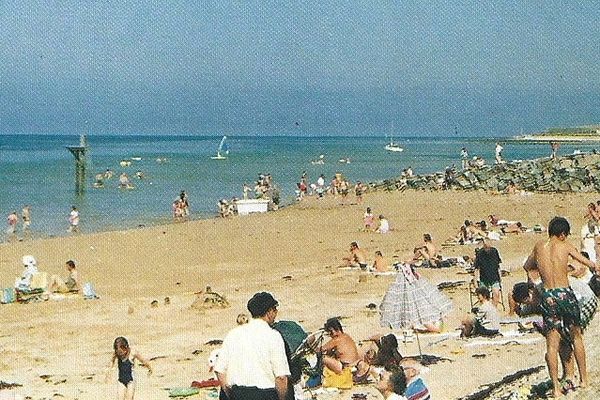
x: 572, y: 173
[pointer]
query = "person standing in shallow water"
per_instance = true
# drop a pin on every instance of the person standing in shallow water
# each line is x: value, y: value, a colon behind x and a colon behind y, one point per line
x: 560, y: 310
x: 26, y: 217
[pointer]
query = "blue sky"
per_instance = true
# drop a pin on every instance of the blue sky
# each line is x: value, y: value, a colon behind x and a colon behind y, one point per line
x: 298, y: 67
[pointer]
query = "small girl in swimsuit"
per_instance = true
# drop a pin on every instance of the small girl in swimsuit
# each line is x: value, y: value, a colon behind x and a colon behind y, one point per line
x: 125, y: 358
x: 369, y: 220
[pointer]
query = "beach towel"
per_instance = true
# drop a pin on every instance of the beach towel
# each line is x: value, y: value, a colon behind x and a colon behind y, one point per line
x: 183, y: 392
x: 412, y: 300
x: 340, y: 381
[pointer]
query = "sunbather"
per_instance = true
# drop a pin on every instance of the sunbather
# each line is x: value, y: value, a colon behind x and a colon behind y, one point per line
x: 380, y: 264
x: 69, y: 284
x: 341, y: 351
x: 357, y: 257
x: 425, y: 252
x: 386, y: 355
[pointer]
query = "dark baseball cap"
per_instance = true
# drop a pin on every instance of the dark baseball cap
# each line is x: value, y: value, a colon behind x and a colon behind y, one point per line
x: 260, y: 303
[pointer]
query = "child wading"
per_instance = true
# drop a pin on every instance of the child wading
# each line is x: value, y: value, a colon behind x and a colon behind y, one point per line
x: 125, y: 358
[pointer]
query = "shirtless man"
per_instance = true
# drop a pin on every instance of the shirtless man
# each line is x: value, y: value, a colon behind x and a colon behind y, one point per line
x: 357, y: 257
x: 425, y: 251
x: 340, y: 351
x: 550, y: 259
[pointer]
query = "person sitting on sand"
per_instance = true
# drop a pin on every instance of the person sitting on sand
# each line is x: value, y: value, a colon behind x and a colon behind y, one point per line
x: 511, y: 188
x: 380, y: 264
x: 416, y: 389
x: 24, y: 282
x: 387, y: 354
x: 369, y: 220
x: 486, y: 321
x: 426, y: 252
x: 357, y: 257
x: 392, y: 384
x: 384, y: 225
x: 69, y: 284
x: 341, y: 351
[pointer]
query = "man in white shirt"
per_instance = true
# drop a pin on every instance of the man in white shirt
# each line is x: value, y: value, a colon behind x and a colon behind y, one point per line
x: 252, y: 364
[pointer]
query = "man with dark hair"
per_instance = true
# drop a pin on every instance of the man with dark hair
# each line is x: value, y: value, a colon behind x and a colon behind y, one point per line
x: 562, y: 318
x: 486, y: 321
x: 340, y: 351
x: 357, y: 257
x: 487, y: 269
x: 392, y: 384
x: 252, y: 364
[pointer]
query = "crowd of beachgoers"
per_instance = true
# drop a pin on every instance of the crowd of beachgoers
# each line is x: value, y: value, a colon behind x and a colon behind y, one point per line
x: 263, y: 360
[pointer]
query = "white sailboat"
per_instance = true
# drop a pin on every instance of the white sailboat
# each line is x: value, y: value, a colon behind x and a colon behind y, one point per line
x: 222, y: 149
x: 391, y: 146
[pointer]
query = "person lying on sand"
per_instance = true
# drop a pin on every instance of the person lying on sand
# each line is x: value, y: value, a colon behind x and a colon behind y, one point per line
x: 517, y: 228
x: 357, y: 257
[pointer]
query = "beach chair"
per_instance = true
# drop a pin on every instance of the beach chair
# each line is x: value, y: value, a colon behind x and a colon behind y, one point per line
x: 38, y: 290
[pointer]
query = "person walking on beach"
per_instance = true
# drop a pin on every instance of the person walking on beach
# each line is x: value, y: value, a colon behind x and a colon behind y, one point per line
x: 560, y: 309
x: 487, y: 269
x: 26, y: 217
x: 464, y: 155
x: 359, y: 189
x: 74, y: 220
x: 11, y: 228
x: 554, y: 146
x: 499, y: 149
x: 252, y: 364
x: 125, y: 358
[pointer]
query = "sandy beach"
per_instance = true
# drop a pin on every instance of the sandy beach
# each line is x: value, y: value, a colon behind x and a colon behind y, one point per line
x: 61, y: 348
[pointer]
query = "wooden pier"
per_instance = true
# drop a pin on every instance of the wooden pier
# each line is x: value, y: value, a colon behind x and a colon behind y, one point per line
x: 79, y: 152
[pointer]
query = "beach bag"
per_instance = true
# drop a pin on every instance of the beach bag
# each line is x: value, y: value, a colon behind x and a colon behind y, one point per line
x: 88, y: 291
x: 7, y: 296
x: 340, y: 381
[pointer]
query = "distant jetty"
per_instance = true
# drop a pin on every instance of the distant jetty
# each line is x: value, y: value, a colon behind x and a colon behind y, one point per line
x: 586, y: 133
x: 572, y: 173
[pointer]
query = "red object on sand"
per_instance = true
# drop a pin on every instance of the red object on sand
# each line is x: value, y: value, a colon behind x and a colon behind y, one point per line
x: 212, y: 382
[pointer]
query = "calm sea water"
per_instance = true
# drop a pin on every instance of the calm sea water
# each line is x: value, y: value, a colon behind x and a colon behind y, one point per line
x: 38, y: 170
